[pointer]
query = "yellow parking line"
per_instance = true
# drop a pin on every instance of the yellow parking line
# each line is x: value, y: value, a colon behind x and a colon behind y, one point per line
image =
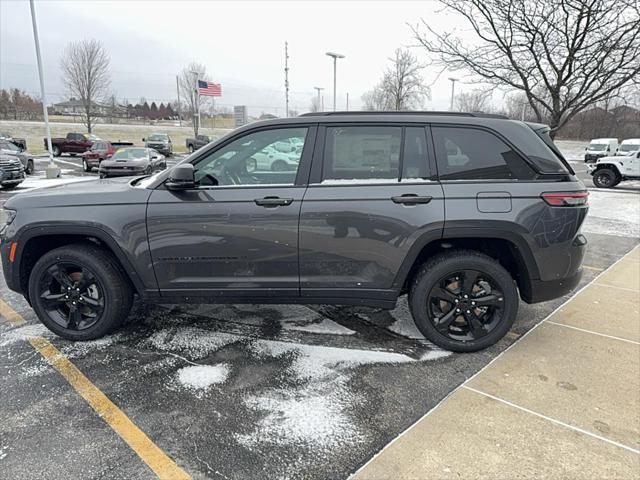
x: 149, y: 452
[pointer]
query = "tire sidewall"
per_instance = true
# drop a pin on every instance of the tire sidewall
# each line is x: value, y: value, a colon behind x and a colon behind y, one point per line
x: 107, y: 319
x: 436, y: 271
x: 604, y: 172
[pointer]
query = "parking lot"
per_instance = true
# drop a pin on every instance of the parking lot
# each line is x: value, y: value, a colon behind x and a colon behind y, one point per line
x: 244, y: 391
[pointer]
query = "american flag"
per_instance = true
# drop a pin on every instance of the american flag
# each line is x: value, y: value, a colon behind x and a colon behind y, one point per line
x: 209, y: 89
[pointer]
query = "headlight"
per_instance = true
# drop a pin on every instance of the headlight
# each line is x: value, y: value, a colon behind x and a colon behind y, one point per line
x: 6, y: 217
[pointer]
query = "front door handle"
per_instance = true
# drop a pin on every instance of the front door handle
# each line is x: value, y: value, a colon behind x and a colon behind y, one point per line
x: 270, y: 202
x: 411, y: 199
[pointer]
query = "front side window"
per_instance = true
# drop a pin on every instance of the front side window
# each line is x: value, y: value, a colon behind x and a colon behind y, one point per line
x: 9, y: 146
x: 258, y: 158
x: 362, y: 153
x: 474, y: 154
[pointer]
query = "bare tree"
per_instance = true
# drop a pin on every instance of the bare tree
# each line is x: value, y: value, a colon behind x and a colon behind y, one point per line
x: 474, y: 101
x: 85, y: 73
x: 188, y: 91
x: 401, y: 87
x: 565, y: 55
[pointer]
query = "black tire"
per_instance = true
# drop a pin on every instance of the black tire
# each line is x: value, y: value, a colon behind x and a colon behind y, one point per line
x: 191, y: 149
x: 10, y: 186
x: 102, y: 305
x: 85, y: 166
x: 103, y: 175
x: 279, y: 166
x: 494, y: 321
x: 605, y: 178
x: 30, y: 167
x: 56, y: 151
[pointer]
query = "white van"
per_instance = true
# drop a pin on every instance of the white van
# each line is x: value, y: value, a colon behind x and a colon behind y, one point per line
x: 628, y: 147
x: 600, y: 147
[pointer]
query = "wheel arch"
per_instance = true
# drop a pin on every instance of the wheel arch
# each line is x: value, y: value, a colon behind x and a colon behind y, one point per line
x: 508, y: 248
x: 35, y: 242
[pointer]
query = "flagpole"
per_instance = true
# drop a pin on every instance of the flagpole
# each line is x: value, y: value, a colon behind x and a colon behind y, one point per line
x: 213, y: 99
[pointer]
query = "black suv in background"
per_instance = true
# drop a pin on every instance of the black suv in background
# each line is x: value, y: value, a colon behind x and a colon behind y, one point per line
x: 466, y: 213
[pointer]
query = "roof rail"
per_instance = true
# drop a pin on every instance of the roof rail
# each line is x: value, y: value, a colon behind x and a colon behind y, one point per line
x: 449, y: 114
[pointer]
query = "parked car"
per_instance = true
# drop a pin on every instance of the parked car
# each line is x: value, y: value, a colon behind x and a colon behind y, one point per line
x: 610, y: 171
x: 99, y: 151
x: 600, y: 147
x: 270, y: 158
x: 19, y: 142
x: 132, y: 161
x: 78, y: 143
x: 629, y: 147
x: 11, y: 171
x: 360, y: 221
x: 160, y: 142
x: 73, y: 143
x: 10, y: 148
x: 194, y: 144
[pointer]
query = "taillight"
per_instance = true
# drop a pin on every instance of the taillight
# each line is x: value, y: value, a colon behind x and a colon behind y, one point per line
x: 566, y: 199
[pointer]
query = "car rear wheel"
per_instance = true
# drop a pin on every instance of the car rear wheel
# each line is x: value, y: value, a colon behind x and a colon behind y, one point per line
x: 463, y: 301
x: 605, y: 178
x: 191, y: 149
x: 56, y: 151
x: 79, y: 292
x: 30, y: 168
x: 85, y: 166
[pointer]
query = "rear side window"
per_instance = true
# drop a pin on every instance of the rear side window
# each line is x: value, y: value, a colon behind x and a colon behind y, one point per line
x: 474, y: 154
x: 362, y: 153
x: 414, y: 159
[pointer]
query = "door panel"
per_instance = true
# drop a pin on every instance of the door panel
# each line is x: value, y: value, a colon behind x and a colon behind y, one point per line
x: 220, y: 238
x: 356, y: 237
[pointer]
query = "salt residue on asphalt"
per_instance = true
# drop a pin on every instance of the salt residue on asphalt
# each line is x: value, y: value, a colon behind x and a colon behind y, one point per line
x: 201, y: 377
x: 325, y: 327
x: 23, y: 333
x: 314, y: 414
x: 194, y: 342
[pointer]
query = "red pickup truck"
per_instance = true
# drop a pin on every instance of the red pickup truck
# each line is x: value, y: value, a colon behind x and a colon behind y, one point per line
x: 78, y: 143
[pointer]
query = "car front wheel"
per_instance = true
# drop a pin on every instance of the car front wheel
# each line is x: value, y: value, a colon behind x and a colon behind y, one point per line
x: 85, y: 166
x: 605, y: 178
x: 79, y: 292
x: 463, y: 301
x: 30, y: 168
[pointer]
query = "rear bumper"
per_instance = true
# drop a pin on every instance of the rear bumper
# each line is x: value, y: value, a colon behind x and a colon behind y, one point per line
x: 544, y: 290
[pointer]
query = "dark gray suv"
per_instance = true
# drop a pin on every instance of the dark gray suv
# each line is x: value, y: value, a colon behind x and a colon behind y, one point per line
x: 465, y: 213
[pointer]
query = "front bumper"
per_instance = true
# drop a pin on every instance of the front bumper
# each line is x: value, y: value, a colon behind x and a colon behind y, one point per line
x: 591, y: 157
x: 11, y: 177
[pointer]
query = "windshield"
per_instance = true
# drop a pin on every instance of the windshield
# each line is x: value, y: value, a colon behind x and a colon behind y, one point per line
x: 629, y: 147
x: 158, y: 137
x: 130, y: 154
x: 598, y: 147
x: 9, y: 146
x: 91, y: 136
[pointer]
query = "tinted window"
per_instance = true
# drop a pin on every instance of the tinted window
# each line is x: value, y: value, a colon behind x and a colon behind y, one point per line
x: 366, y: 152
x: 254, y: 159
x: 414, y: 160
x: 473, y: 154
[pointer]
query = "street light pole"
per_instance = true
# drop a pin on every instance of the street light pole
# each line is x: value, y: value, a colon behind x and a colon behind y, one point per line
x: 335, y: 57
x: 453, y: 87
x: 319, y: 89
x: 52, y: 171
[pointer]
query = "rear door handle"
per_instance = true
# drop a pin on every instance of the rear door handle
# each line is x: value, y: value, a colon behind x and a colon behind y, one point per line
x: 273, y: 201
x: 411, y: 199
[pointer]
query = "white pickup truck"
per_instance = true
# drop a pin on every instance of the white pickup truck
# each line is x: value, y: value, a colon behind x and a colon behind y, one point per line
x: 608, y: 172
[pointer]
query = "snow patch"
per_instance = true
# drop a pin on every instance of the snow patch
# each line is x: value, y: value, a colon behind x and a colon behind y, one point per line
x: 613, y: 213
x: 193, y: 341
x: 326, y: 327
x: 201, y: 377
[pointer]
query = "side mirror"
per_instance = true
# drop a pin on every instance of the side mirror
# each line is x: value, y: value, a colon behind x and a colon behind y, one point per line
x: 181, y: 177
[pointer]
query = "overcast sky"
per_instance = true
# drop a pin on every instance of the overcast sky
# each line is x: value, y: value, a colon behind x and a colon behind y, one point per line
x: 241, y: 43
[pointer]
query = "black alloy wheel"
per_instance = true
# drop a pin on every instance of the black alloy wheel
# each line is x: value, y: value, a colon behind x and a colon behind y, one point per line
x: 79, y: 291
x: 465, y: 305
x: 463, y: 300
x: 72, y: 295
